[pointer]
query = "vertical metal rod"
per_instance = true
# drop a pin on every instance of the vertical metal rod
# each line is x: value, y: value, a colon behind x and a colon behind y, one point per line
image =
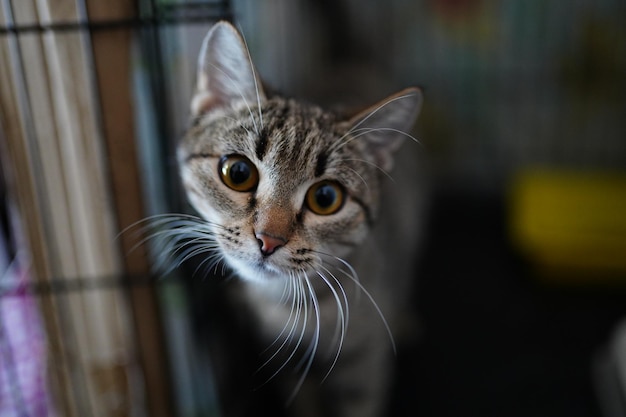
x: 21, y: 84
x: 21, y: 87
x: 160, y: 90
x: 87, y: 45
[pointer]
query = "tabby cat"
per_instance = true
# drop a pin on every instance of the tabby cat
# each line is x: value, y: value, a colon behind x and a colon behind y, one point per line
x: 298, y: 203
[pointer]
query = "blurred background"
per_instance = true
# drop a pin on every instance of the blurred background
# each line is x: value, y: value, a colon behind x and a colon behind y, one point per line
x: 521, y: 290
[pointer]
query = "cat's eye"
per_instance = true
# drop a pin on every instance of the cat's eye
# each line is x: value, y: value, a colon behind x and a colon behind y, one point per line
x: 238, y: 173
x: 325, y: 198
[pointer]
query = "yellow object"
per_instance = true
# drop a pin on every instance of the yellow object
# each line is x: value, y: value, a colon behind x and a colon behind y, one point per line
x: 571, y: 221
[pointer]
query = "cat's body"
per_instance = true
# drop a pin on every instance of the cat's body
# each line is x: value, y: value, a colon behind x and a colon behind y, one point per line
x: 298, y: 204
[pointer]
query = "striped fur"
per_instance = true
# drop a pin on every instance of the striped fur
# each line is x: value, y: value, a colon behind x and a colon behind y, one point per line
x: 322, y: 263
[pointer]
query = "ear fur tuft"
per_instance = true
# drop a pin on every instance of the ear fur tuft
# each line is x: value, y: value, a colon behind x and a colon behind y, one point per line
x: 386, y: 125
x: 225, y: 72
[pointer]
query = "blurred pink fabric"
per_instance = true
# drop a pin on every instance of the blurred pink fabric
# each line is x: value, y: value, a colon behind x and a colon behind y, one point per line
x: 22, y: 352
x: 23, y: 384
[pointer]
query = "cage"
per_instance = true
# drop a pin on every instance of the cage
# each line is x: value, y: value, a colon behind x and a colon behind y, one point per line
x: 94, y: 95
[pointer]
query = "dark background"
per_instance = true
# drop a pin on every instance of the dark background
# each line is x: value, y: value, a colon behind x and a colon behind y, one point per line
x: 498, y: 338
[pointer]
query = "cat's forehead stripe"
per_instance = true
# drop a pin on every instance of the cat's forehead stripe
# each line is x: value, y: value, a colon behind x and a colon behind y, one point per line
x: 320, y: 165
x: 275, y: 117
x: 261, y: 145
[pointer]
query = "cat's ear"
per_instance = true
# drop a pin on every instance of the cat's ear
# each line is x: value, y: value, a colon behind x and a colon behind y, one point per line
x: 386, y: 125
x: 225, y: 72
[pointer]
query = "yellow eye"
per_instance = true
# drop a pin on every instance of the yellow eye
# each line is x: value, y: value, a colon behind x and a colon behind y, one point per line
x: 238, y: 173
x: 325, y: 197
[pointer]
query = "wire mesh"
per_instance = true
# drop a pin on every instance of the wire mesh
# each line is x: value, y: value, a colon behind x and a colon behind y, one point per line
x: 42, y: 371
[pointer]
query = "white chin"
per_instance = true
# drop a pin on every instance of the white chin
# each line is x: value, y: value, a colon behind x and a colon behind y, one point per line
x: 252, y: 273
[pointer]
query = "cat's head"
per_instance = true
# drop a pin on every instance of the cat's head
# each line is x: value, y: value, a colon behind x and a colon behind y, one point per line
x: 284, y: 185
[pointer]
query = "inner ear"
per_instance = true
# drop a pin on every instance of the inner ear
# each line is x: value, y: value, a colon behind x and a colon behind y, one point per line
x: 385, y: 125
x: 226, y: 74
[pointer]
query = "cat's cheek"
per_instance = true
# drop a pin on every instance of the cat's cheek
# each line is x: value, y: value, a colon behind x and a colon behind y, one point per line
x: 344, y: 238
x: 202, y: 206
x: 204, y: 209
x: 212, y: 199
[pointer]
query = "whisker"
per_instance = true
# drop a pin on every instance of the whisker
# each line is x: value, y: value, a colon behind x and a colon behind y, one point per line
x: 301, y: 309
x: 378, y: 310
x: 339, y: 144
x: 191, y: 245
x: 344, y: 295
x: 310, y: 353
x: 165, y: 238
x: 176, y: 238
x: 211, y: 264
x: 292, y: 316
x: 366, y: 131
x: 370, y: 163
x: 214, y: 257
x: 287, y: 290
x: 363, y: 131
x: 342, y: 319
x: 175, y: 258
x: 155, y: 219
x: 353, y: 276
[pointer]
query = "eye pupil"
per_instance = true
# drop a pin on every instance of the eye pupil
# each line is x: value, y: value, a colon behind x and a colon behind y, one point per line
x: 239, y: 172
x: 325, y: 196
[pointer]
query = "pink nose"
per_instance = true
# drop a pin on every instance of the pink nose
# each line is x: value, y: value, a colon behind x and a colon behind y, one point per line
x: 268, y: 243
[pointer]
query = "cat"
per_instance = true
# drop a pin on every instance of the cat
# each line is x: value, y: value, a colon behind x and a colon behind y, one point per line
x: 297, y: 202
